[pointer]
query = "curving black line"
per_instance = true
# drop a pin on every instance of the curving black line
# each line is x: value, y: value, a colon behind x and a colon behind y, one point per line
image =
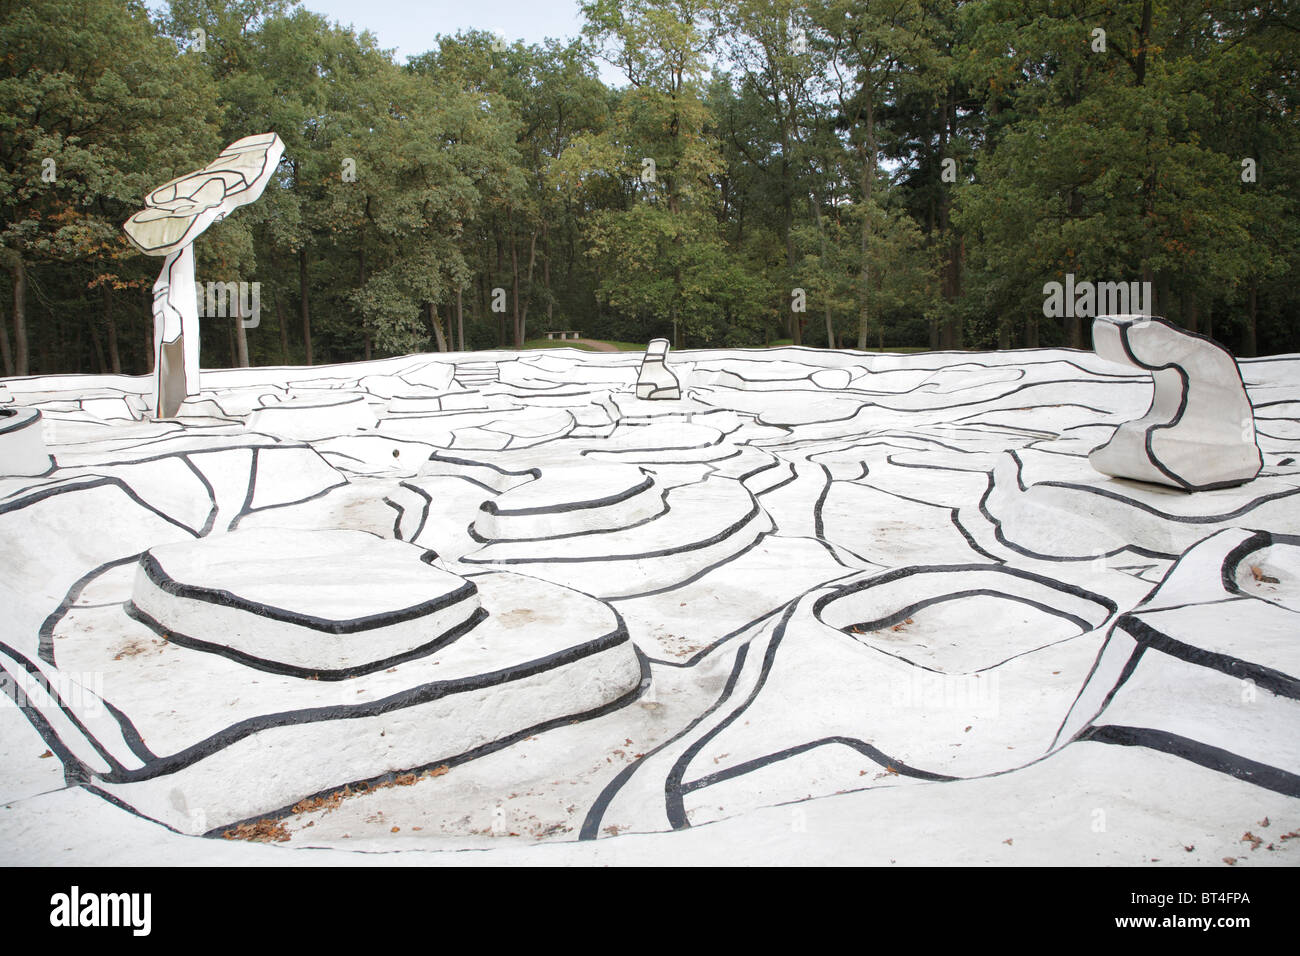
x: 223, y: 598
x: 1201, y: 754
x: 467, y: 756
x: 717, y: 538
x: 248, y: 509
x: 45, y: 645
x: 1274, y: 681
x: 447, y: 637
x: 410, y: 697
x: 97, y: 481
x: 664, y: 509
x: 646, y: 483
x: 1178, y: 479
x: 871, y: 753
x: 73, y: 765
x: 397, y: 521
x: 895, y: 574
x: 591, y: 823
x: 424, y: 512
x: 889, y: 620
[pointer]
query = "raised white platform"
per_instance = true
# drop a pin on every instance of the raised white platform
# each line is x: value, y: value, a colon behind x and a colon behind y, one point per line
x: 840, y: 607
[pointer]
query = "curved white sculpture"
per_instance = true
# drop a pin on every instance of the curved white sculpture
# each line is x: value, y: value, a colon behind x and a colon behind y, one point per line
x: 22, y: 446
x: 1199, y: 432
x: 654, y: 380
x: 177, y: 213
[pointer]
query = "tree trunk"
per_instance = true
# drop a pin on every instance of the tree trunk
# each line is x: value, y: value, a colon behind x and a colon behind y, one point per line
x: 306, y: 310
x: 514, y: 279
x: 1191, y: 312
x: 149, y: 358
x: 868, y: 182
x: 1074, y: 332
x: 5, y: 355
x: 284, y: 329
x: 241, y: 334
x: 1249, y: 348
x: 546, y: 279
x: 431, y: 317
x: 361, y: 284
x: 815, y: 200
x: 19, y: 272
x: 523, y: 315
x: 501, y: 316
x: 460, y: 321
x: 114, y: 356
x: 100, y: 363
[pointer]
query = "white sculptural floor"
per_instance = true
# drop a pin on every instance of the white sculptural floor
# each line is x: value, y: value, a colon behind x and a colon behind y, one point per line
x: 826, y: 607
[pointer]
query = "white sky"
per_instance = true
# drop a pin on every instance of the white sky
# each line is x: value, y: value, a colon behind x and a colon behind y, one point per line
x: 409, y: 26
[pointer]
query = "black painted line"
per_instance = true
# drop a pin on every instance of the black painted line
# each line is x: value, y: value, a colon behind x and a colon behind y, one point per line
x: 447, y: 637
x: 469, y: 755
x: 1274, y: 681
x: 223, y: 598
x: 411, y: 697
x: 873, y: 754
x: 1201, y: 754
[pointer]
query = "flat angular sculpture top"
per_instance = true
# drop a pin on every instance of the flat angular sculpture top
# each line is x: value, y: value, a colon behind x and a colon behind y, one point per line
x: 1199, y: 432
x: 177, y: 212
x: 654, y: 380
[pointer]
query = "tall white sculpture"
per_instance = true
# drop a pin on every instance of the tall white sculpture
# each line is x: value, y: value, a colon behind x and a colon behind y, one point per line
x: 177, y: 213
x: 1199, y: 432
x: 654, y: 379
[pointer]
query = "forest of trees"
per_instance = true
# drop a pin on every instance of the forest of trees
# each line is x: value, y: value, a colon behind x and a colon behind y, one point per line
x: 863, y: 173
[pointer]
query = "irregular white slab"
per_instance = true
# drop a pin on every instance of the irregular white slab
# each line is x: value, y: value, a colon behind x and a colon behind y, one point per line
x: 1206, y: 667
x: 576, y: 500
x: 22, y: 446
x: 655, y: 381
x: 288, y: 600
x: 322, y: 416
x: 943, y: 500
x: 227, y: 742
x: 1200, y: 430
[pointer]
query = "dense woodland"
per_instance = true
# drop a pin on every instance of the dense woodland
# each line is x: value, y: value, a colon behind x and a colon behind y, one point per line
x: 918, y: 168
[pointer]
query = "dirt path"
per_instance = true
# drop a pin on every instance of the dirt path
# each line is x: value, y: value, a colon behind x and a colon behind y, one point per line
x: 596, y: 346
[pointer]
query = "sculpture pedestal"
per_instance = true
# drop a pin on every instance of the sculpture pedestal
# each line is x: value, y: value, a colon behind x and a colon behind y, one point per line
x: 22, y: 446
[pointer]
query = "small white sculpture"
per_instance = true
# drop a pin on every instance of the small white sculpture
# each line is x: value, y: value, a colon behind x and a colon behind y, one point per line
x: 177, y: 213
x: 22, y: 445
x: 655, y: 381
x: 1199, y: 432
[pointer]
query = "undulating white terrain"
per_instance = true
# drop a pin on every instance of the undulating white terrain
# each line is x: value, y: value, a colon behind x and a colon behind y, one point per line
x: 492, y: 608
